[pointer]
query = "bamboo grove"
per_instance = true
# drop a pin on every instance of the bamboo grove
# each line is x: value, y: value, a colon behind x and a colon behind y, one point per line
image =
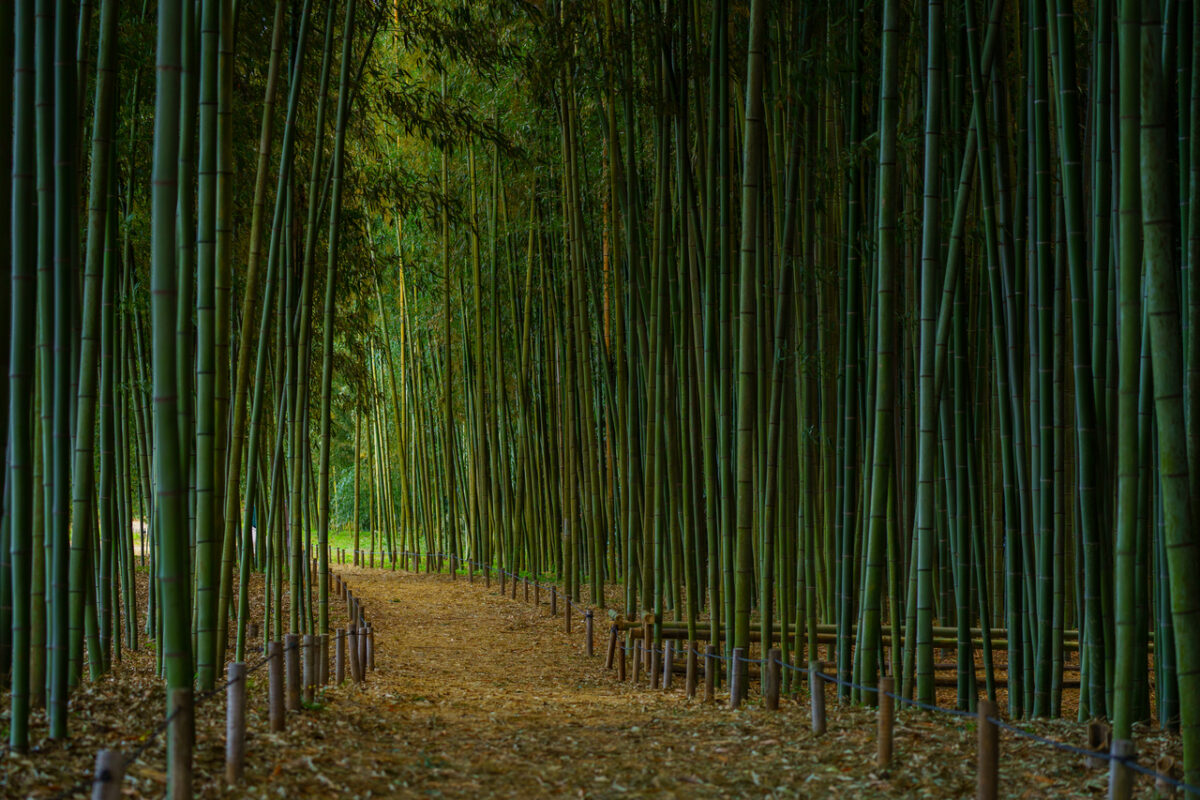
x: 178, y: 181
x: 870, y: 327
x: 807, y: 323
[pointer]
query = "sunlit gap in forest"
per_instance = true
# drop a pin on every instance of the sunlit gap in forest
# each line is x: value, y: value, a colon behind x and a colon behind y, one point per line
x: 775, y: 348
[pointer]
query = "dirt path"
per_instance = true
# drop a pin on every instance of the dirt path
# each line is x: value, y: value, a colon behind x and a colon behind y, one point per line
x: 478, y: 695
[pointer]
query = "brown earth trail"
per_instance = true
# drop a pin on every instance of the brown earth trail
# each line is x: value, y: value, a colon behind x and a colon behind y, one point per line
x: 479, y: 695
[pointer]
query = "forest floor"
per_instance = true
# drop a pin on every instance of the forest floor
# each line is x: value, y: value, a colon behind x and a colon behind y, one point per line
x: 479, y: 695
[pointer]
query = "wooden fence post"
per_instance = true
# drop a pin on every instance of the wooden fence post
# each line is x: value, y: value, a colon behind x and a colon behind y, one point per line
x: 771, y: 678
x: 816, y: 688
x: 235, y: 723
x: 567, y: 615
x: 589, y: 632
x: 180, y: 741
x: 710, y: 669
x: 525, y: 581
x: 656, y: 654
x: 370, y: 647
x: 110, y: 771
x: 352, y: 652
x: 554, y: 601
x: 668, y: 663
x: 620, y: 657
x: 987, y: 765
x: 887, y: 685
x: 735, y: 678
x: 1099, y: 740
x: 292, y: 659
x: 323, y: 660
x: 275, y: 685
x: 637, y: 661
x: 339, y: 656
x: 362, y: 653
x: 537, y: 594
x: 612, y: 647
x: 309, y: 671
x: 689, y: 684
x: 1120, y: 777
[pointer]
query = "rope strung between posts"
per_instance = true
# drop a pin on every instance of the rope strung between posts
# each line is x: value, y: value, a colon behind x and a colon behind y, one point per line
x: 1129, y: 761
x: 149, y: 738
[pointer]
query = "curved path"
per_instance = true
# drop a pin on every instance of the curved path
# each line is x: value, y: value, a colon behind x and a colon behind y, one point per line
x: 479, y: 695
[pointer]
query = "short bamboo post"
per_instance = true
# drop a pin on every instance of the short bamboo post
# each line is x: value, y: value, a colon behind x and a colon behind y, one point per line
x: 887, y: 685
x: 513, y: 587
x: 620, y: 656
x: 816, y: 686
x: 668, y: 663
x: 370, y: 647
x: 1099, y: 740
x: 503, y: 584
x: 710, y: 670
x: 362, y: 653
x: 1120, y: 776
x: 323, y: 659
x: 611, y: 653
x: 554, y: 601
x: 352, y: 651
x: 339, y: 657
x: 275, y: 685
x: 636, y: 675
x: 309, y: 670
x: 292, y: 659
x: 988, y: 759
x: 537, y: 594
x: 689, y: 681
x: 656, y: 654
x: 647, y: 636
x: 525, y: 582
x: 235, y: 723
x: 180, y: 742
x: 1165, y: 766
x: 567, y: 609
x: 735, y: 678
x: 589, y: 632
x: 110, y: 771
x: 771, y: 678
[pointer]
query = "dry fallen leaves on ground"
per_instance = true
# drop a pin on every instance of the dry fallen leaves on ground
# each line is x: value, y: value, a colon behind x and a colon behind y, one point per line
x: 479, y: 695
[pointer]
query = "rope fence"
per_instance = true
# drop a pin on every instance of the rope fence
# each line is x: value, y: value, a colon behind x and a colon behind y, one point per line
x: 1120, y: 755
x: 111, y: 765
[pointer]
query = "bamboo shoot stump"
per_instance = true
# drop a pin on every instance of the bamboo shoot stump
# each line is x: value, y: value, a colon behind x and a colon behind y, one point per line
x: 110, y: 771
x: 292, y: 659
x: 987, y: 760
x: 887, y: 685
x: 771, y: 679
x: 710, y: 669
x: 735, y: 679
x: 816, y: 686
x: 339, y: 657
x: 275, y: 686
x: 235, y: 723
